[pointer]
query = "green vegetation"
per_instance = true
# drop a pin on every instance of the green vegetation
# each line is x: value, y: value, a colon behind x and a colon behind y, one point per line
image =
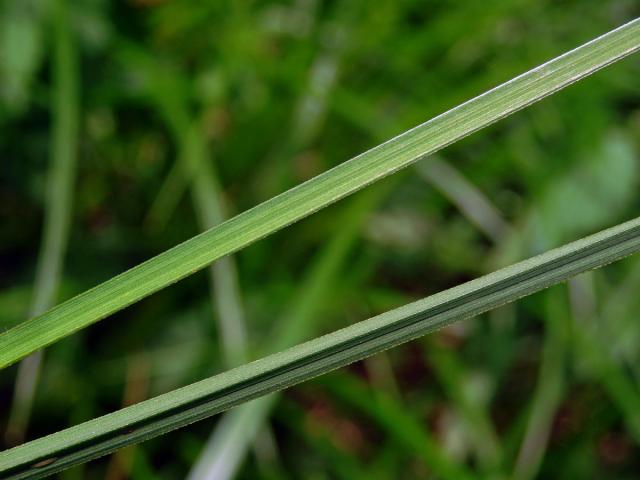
x: 280, y: 96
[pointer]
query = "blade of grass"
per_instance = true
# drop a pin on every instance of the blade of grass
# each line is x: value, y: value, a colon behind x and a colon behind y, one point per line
x: 327, y: 188
x: 229, y: 442
x: 549, y: 389
x: 465, y: 196
x: 57, y: 215
x: 304, y: 361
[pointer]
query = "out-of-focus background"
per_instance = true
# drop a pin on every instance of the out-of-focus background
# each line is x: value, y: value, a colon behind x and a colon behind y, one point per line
x: 184, y: 107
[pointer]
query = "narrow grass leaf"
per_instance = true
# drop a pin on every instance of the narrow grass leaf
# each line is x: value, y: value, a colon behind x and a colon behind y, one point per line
x: 549, y: 389
x: 469, y: 199
x: 66, y: 112
x: 317, y: 193
x: 183, y: 406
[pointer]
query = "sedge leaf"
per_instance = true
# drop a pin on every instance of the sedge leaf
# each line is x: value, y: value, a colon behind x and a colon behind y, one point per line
x: 194, y: 402
x: 325, y: 189
x: 57, y: 215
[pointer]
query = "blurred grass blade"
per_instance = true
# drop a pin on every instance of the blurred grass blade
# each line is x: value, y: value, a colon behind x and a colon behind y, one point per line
x: 275, y: 372
x: 549, y: 388
x: 230, y: 440
x: 465, y: 196
x: 57, y: 210
x: 317, y: 193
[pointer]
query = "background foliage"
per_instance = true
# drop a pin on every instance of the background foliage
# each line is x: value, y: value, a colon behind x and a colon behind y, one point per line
x: 280, y: 92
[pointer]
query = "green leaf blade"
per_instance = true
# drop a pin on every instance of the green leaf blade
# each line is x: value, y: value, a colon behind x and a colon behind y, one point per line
x: 325, y: 189
x: 181, y: 407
